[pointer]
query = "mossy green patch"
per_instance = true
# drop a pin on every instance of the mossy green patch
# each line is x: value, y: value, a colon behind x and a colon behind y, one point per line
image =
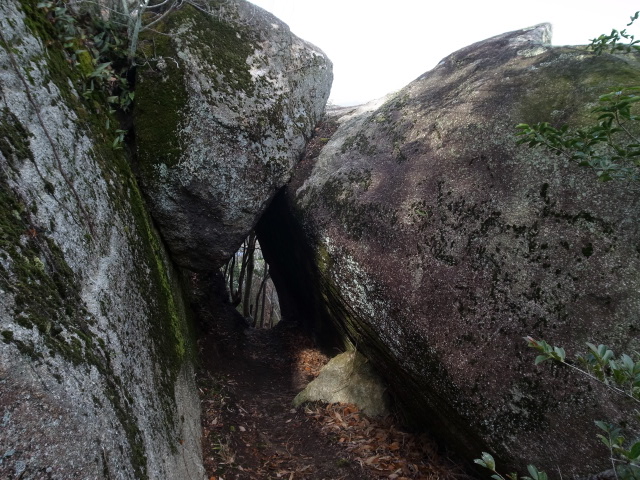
x: 172, y: 333
x: 224, y: 46
x: 67, y: 77
x: 46, y: 293
x: 14, y: 138
x: 359, y: 142
x: 7, y: 336
x: 84, y: 62
x: 556, y: 93
x: 37, y: 23
x: 161, y: 100
x: 170, y: 327
x: 161, y: 97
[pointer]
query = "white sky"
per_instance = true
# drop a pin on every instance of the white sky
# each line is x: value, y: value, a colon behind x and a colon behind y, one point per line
x: 378, y: 47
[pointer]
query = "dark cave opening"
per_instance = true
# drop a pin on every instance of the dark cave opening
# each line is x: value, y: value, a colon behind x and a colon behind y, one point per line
x: 314, y: 315
x: 293, y: 269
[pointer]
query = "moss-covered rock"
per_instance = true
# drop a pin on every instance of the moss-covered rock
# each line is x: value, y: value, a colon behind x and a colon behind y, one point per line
x: 97, y: 352
x: 224, y: 106
x: 434, y: 243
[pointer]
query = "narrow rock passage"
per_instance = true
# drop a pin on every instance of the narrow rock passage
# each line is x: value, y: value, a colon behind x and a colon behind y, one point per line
x: 251, y: 431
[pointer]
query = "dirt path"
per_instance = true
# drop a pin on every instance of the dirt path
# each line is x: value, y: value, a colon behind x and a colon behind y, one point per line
x: 250, y: 430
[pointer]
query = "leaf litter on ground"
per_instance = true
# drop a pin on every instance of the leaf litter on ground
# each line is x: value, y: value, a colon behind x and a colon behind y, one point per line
x: 251, y: 431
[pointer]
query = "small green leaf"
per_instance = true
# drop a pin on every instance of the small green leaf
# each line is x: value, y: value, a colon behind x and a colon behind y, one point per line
x: 489, y: 461
x: 627, y: 362
x: 540, y: 359
x: 634, y: 453
x: 604, y: 440
x: 560, y: 353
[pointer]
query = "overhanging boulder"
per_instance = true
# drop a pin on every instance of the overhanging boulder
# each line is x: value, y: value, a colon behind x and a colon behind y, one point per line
x: 224, y: 108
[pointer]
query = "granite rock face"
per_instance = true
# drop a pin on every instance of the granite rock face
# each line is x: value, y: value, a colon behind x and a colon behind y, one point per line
x: 428, y: 238
x: 223, y: 111
x: 96, y: 354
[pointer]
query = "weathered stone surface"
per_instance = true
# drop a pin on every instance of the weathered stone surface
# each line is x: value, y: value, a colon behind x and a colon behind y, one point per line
x: 223, y: 111
x: 348, y: 378
x: 96, y: 370
x: 432, y: 241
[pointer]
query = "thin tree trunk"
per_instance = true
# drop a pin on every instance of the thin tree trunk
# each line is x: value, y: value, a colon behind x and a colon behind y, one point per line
x: 262, y: 287
x: 231, y: 270
x: 243, y: 268
x: 264, y: 299
x: 271, y: 307
x: 226, y: 270
x: 251, y: 247
x: 262, y: 284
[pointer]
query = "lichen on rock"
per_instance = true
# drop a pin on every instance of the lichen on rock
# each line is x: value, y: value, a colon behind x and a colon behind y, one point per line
x: 224, y: 107
x: 96, y: 352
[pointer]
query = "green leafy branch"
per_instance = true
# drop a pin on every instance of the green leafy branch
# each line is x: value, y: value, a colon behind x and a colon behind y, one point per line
x: 610, y: 147
x: 97, y: 49
x: 627, y: 465
x: 621, y: 375
x: 488, y: 462
x: 612, y: 41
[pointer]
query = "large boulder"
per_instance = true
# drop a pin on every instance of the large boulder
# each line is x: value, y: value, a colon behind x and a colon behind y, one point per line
x: 96, y: 353
x: 224, y: 107
x: 429, y: 239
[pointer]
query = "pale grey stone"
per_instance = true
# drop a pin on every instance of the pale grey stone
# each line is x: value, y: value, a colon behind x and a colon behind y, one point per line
x: 348, y: 378
x: 86, y: 387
